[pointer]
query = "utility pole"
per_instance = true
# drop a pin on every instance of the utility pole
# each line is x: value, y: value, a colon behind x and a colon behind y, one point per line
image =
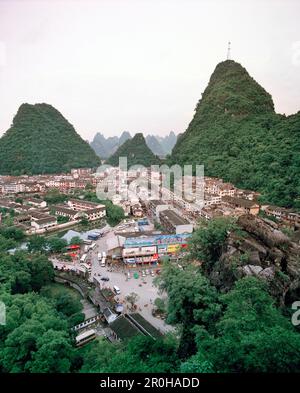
x: 228, y: 51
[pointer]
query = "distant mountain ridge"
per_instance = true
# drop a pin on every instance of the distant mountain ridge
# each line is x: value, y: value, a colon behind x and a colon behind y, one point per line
x: 41, y: 140
x: 106, y: 147
x: 136, y: 151
x: 161, y: 145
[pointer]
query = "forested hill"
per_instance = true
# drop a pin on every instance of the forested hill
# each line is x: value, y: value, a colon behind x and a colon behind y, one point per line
x: 238, y: 136
x: 136, y: 151
x: 41, y: 140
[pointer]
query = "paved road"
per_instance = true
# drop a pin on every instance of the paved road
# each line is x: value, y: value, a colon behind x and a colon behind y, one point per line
x: 143, y: 286
x: 89, y: 309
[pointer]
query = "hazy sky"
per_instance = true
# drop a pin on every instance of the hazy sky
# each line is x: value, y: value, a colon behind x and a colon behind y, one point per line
x: 141, y: 65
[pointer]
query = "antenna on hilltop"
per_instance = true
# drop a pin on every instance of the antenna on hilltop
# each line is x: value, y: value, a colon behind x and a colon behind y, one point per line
x: 228, y: 51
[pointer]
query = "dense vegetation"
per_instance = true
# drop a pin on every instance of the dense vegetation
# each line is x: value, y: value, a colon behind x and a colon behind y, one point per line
x: 243, y: 330
x: 41, y: 140
x: 136, y: 151
x: 240, y: 331
x: 36, y: 337
x: 237, y: 135
x: 139, y: 354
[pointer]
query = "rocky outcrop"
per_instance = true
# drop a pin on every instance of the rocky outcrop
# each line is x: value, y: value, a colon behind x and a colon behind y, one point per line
x: 259, y: 249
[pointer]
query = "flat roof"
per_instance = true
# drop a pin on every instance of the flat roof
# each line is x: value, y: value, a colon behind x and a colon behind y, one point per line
x: 85, y: 334
x: 66, y: 210
x: 239, y: 201
x: 45, y: 220
x: 124, y: 328
x: 146, y: 325
x: 174, y: 218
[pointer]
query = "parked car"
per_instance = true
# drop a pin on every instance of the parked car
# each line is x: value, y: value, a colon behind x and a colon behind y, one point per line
x: 104, y: 278
x: 152, y: 273
x: 143, y: 273
x: 117, y: 290
x: 128, y: 275
x: 147, y: 271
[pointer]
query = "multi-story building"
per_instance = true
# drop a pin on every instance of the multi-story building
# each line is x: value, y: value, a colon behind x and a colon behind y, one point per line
x: 35, y: 202
x: 288, y: 215
x: 63, y: 211
x: 44, y: 223
x: 243, y: 205
x: 174, y: 223
x: 148, y: 249
x: 155, y: 206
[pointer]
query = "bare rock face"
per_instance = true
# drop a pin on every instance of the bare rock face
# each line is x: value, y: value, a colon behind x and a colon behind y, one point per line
x: 260, y: 249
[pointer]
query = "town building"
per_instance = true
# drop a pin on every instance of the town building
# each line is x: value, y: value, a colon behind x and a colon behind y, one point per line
x: 149, y: 249
x: 174, y: 223
x: 35, y: 202
x: 243, y: 205
x: 287, y: 215
x: 129, y: 325
x: 44, y: 223
x: 155, y: 206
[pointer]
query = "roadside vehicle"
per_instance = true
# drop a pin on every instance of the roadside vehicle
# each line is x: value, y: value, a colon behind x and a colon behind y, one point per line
x: 93, y: 236
x: 103, y: 262
x: 103, y: 254
x: 143, y: 273
x: 83, y: 258
x: 152, y: 273
x: 99, y: 256
x: 85, y: 337
x: 87, y: 267
x: 104, y: 278
x: 93, y: 246
x: 147, y: 271
x: 128, y: 275
x: 117, y: 290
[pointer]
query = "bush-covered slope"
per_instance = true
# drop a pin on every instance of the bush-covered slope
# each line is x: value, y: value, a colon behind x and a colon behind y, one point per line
x: 237, y: 135
x: 136, y: 151
x: 41, y: 140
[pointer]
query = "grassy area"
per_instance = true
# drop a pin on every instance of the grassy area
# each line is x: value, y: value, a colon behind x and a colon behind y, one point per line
x: 56, y: 290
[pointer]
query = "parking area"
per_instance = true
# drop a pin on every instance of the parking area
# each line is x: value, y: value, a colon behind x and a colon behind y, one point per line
x: 138, y: 282
x: 141, y: 285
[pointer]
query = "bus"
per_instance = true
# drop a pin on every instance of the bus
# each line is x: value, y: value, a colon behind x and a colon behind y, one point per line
x: 85, y: 337
x: 87, y: 267
x: 93, y: 246
x: 83, y: 258
x: 93, y: 236
x: 103, y: 262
